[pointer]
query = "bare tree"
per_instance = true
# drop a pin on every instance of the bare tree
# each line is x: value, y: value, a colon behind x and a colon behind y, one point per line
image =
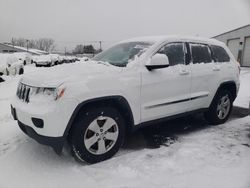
x: 79, y: 49
x: 45, y: 44
x: 19, y: 42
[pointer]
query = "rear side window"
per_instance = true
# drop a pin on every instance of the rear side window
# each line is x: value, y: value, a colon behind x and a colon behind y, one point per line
x: 200, y: 53
x: 219, y: 54
x: 175, y: 53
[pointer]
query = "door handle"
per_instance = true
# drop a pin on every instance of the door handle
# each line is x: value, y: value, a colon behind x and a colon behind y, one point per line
x: 216, y: 68
x: 184, y: 72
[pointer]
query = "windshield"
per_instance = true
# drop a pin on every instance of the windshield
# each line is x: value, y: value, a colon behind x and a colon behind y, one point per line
x: 121, y: 54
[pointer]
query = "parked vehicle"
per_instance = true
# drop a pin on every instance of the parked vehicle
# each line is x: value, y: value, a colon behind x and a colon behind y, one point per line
x: 45, y: 60
x: 10, y: 65
x: 26, y: 58
x: 135, y: 83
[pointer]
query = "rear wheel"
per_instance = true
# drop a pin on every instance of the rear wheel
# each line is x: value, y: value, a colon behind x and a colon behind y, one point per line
x: 220, y: 108
x: 97, y: 134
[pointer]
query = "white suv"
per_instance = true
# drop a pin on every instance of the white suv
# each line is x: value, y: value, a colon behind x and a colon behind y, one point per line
x: 135, y: 83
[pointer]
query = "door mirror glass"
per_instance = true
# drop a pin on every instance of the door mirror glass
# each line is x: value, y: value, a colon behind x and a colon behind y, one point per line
x: 158, y: 61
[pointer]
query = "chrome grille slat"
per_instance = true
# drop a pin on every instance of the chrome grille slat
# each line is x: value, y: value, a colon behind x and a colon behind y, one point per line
x: 23, y: 92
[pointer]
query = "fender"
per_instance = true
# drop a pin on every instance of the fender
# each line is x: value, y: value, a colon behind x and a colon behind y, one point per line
x: 117, y: 100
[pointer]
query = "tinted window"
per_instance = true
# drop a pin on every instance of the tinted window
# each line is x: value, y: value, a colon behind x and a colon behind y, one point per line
x: 200, y: 53
x: 219, y: 54
x: 175, y: 53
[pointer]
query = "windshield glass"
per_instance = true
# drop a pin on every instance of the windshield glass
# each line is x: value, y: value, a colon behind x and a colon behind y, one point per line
x: 121, y: 54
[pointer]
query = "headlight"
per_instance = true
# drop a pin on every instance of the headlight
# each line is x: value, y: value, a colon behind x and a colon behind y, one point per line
x: 60, y: 92
x: 56, y: 93
x: 46, y: 91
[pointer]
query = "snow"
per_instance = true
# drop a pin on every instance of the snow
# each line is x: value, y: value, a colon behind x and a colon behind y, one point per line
x: 162, y: 38
x: 201, y: 156
x: 32, y: 50
x: 243, y: 98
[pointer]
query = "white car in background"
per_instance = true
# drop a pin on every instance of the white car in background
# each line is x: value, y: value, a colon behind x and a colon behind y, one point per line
x: 44, y: 60
x: 82, y: 59
x: 10, y: 65
x: 25, y: 57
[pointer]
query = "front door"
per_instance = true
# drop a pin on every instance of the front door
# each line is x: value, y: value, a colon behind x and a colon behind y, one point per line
x: 166, y: 91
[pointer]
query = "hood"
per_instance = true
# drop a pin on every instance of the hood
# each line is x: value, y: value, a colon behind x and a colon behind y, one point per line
x: 55, y: 76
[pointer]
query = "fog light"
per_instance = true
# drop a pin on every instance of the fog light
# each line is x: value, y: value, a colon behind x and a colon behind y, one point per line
x: 37, y: 122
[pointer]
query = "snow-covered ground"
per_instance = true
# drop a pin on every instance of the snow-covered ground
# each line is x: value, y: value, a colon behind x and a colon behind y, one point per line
x: 192, y: 154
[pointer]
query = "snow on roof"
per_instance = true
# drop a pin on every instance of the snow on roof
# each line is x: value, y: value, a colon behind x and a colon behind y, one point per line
x: 31, y: 50
x: 173, y: 37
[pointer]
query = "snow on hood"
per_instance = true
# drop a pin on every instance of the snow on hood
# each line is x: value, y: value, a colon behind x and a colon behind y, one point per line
x: 55, y: 76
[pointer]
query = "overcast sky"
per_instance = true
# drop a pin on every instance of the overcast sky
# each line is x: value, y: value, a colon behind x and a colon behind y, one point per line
x: 70, y: 22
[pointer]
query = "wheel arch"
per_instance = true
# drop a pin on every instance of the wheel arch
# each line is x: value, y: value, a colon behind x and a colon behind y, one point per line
x: 230, y: 86
x: 118, y: 102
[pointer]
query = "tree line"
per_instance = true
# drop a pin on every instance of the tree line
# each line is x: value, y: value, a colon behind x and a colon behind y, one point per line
x: 48, y: 45
x: 45, y: 44
x: 85, y: 49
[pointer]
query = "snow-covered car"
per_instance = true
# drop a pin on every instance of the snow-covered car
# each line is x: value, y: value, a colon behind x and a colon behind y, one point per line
x: 55, y: 58
x: 135, y: 83
x: 83, y: 59
x: 10, y: 65
x: 25, y: 57
x: 45, y: 60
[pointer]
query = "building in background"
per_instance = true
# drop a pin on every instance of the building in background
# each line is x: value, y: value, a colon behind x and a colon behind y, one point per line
x: 5, y: 48
x: 238, y: 41
x: 8, y: 48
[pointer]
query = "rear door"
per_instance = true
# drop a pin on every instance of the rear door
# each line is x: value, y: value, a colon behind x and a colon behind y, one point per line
x: 204, y: 75
x: 166, y: 91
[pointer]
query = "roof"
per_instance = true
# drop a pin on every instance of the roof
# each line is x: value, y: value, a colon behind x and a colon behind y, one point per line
x: 232, y: 30
x: 30, y: 50
x: 172, y: 38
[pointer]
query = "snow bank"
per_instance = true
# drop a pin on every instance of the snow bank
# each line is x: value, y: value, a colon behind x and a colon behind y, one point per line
x: 243, y: 98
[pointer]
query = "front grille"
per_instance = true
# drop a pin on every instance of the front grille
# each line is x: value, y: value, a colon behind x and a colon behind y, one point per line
x: 23, y: 92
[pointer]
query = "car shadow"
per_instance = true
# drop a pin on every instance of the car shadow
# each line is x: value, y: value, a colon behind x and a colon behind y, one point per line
x: 166, y: 133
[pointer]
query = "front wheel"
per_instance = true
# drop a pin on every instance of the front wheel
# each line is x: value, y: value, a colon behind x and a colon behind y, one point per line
x: 97, y: 134
x: 220, y: 109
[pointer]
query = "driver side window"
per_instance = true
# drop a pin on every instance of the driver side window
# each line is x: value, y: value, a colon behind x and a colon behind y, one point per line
x: 175, y: 53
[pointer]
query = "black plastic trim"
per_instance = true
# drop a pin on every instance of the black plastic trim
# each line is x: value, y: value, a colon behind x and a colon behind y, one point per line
x: 152, y: 67
x: 178, y: 101
x: 37, y: 122
x: 100, y: 100
x: 227, y: 83
x: 13, y: 112
x: 55, y: 142
x: 167, y: 118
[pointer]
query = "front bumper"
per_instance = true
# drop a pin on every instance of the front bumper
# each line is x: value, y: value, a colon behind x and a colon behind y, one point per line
x: 54, y: 118
x: 55, y: 142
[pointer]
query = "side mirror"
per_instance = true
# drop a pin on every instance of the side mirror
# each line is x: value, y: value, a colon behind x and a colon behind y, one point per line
x: 158, y: 61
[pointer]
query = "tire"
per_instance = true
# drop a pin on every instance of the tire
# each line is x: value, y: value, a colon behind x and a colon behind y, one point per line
x: 21, y: 71
x: 104, y: 122
x: 24, y: 62
x: 217, y: 112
